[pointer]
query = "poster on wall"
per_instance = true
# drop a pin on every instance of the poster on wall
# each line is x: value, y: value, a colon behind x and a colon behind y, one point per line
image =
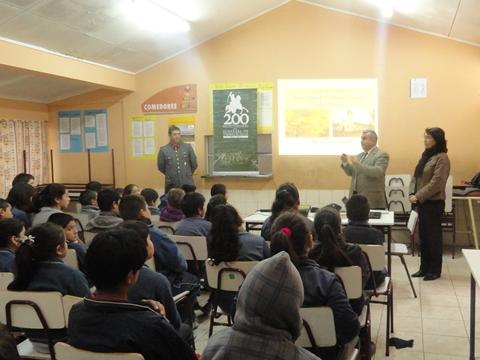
x: 264, y: 102
x: 142, y: 137
x: 70, y: 131
x: 186, y: 124
x: 96, y: 130
x: 179, y: 99
x: 235, y: 131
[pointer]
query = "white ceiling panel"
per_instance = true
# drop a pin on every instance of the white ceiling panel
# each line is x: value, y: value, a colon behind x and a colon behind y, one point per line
x: 467, y: 23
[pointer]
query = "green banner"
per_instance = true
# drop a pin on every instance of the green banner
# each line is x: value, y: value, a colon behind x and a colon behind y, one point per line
x: 235, y: 130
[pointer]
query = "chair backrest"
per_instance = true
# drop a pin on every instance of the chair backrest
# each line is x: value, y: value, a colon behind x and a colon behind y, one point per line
x: 448, y: 194
x: 151, y: 264
x: 230, y: 275
x: 192, y: 247
x: 412, y: 221
x: 82, y: 218
x: 376, y: 256
x: 26, y: 308
x: 68, y: 301
x: 318, y: 328
x: 71, y: 258
x: 5, y: 279
x: 352, y: 280
x: 64, y: 351
x: 88, y: 237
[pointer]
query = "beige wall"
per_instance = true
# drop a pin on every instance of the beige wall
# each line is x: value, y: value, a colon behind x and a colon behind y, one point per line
x: 303, y: 41
x: 22, y: 110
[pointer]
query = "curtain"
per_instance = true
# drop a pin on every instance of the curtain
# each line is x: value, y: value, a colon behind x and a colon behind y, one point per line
x: 15, y: 137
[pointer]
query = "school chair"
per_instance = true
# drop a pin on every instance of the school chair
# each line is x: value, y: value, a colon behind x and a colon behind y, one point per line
x: 71, y: 259
x: 318, y: 331
x: 193, y: 248
x: 67, y: 352
x: 225, y: 277
x: 5, y: 279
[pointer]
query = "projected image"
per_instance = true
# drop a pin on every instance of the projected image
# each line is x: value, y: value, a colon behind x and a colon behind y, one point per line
x: 325, y: 117
x: 307, y: 123
x: 351, y: 123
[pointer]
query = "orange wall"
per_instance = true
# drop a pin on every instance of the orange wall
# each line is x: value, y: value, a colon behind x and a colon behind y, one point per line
x: 22, y: 110
x: 299, y: 40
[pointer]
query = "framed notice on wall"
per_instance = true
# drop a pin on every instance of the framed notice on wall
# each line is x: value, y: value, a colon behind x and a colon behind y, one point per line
x: 70, y: 131
x: 96, y: 130
x: 142, y: 137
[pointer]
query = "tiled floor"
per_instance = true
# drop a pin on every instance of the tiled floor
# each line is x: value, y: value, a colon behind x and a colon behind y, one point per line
x: 437, y: 321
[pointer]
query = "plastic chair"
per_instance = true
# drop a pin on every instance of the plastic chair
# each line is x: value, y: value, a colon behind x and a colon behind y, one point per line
x: 193, y: 248
x: 5, y: 279
x: 71, y: 258
x: 67, y: 352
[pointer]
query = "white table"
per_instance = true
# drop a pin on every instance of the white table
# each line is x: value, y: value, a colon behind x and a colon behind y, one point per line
x: 470, y: 200
x: 473, y: 260
x: 386, y: 221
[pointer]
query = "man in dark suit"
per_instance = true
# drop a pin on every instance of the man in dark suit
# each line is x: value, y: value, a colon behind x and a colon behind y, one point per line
x: 367, y: 170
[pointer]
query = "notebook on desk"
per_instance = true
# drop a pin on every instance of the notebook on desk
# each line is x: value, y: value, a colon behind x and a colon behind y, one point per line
x: 375, y: 215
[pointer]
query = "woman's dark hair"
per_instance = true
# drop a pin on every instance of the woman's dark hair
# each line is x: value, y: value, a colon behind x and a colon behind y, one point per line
x: 215, y: 200
x: 295, y: 244
x: 46, y: 238
x: 217, y: 189
x: 286, y: 197
x: 22, y: 178
x: 61, y: 219
x: 439, y: 136
x: 20, y: 196
x: 138, y: 226
x: 224, y: 243
x: 112, y: 255
x: 8, y: 228
x: 127, y: 190
x: 48, y: 195
x: 328, y: 225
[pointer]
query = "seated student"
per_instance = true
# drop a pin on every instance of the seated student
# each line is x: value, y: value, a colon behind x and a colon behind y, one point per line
x: 88, y: 199
x: 321, y: 287
x: 267, y: 320
x: 218, y: 189
x: 5, y: 209
x: 228, y: 241
x: 108, y: 217
x: 131, y: 189
x: 23, y: 178
x: 40, y: 267
x: 12, y: 233
x: 194, y: 224
x: 333, y: 251
x: 215, y: 200
x: 94, y: 186
x: 173, y: 211
x: 20, y: 198
x: 69, y: 226
x: 359, y: 232
x: 119, y: 191
x: 109, y: 322
x: 188, y: 188
x: 153, y: 285
x: 52, y: 199
x: 168, y: 259
x: 287, y: 198
x: 164, y: 198
x: 151, y: 197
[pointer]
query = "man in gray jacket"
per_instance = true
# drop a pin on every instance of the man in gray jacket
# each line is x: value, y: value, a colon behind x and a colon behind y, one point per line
x: 367, y: 170
x: 177, y: 160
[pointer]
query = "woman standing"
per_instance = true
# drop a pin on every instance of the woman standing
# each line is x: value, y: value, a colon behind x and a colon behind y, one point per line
x: 427, y: 192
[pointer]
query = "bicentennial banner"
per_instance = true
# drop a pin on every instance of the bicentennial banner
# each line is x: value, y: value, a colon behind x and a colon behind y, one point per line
x: 235, y: 131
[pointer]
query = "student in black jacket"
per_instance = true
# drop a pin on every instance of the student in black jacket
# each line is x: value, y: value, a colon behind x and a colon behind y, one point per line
x: 321, y: 287
x: 108, y: 322
x: 333, y: 251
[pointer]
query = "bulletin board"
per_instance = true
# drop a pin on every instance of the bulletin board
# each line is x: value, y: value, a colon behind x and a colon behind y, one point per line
x: 70, y: 131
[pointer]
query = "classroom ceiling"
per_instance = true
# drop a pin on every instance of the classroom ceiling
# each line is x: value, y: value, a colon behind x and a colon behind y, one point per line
x: 94, y: 30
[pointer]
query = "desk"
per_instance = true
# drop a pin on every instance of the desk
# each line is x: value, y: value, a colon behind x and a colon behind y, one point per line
x: 386, y: 221
x: 469, y: 200
x: 473, y: 260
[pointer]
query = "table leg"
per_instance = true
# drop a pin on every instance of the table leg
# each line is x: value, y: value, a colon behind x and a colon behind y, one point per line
x: 389, y: 251
x: 472, y: 317
x: 472, y: 221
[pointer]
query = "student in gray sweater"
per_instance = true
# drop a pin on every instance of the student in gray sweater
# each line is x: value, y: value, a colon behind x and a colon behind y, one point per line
x: 193, y: 206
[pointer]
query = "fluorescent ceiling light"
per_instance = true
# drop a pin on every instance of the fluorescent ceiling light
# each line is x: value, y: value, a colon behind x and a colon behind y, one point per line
x: 387, y: 7
x: 151, y: 16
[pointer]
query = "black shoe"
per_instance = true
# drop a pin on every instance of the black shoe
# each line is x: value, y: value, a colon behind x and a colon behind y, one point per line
x: 419, y: 273
x: 430, y: 277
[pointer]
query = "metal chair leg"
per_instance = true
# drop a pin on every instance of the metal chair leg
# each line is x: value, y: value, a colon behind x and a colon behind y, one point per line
x: 402, y: 259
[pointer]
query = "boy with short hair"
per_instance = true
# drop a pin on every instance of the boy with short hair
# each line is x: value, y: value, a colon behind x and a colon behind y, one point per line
x: 194, y: 224
x: 217, y: 189
x: 88, y: 199
x: 108, y: 217
x: 5, y: 209
x: 108, y: 322
x: 151, y: 197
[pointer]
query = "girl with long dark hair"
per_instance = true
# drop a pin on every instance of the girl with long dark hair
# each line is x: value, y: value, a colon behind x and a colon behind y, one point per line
x: 53, y: 198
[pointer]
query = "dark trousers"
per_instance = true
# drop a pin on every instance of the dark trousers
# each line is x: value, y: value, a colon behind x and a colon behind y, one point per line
x: 431, y: 239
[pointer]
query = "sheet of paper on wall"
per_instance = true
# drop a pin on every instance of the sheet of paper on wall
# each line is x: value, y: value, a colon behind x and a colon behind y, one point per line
x: 137, y: 129
x: 137, y: 147
x: 75, y: 126
x: 187, y: 129
x: 102, y: 119
x: 64, y: 142
x: 265, y: 118
x: 149, y: 146
x: 89, y: 121
x: 148, y: 129
x: 64, y: 125
x: 90, y: 141
x: 102, y: 137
